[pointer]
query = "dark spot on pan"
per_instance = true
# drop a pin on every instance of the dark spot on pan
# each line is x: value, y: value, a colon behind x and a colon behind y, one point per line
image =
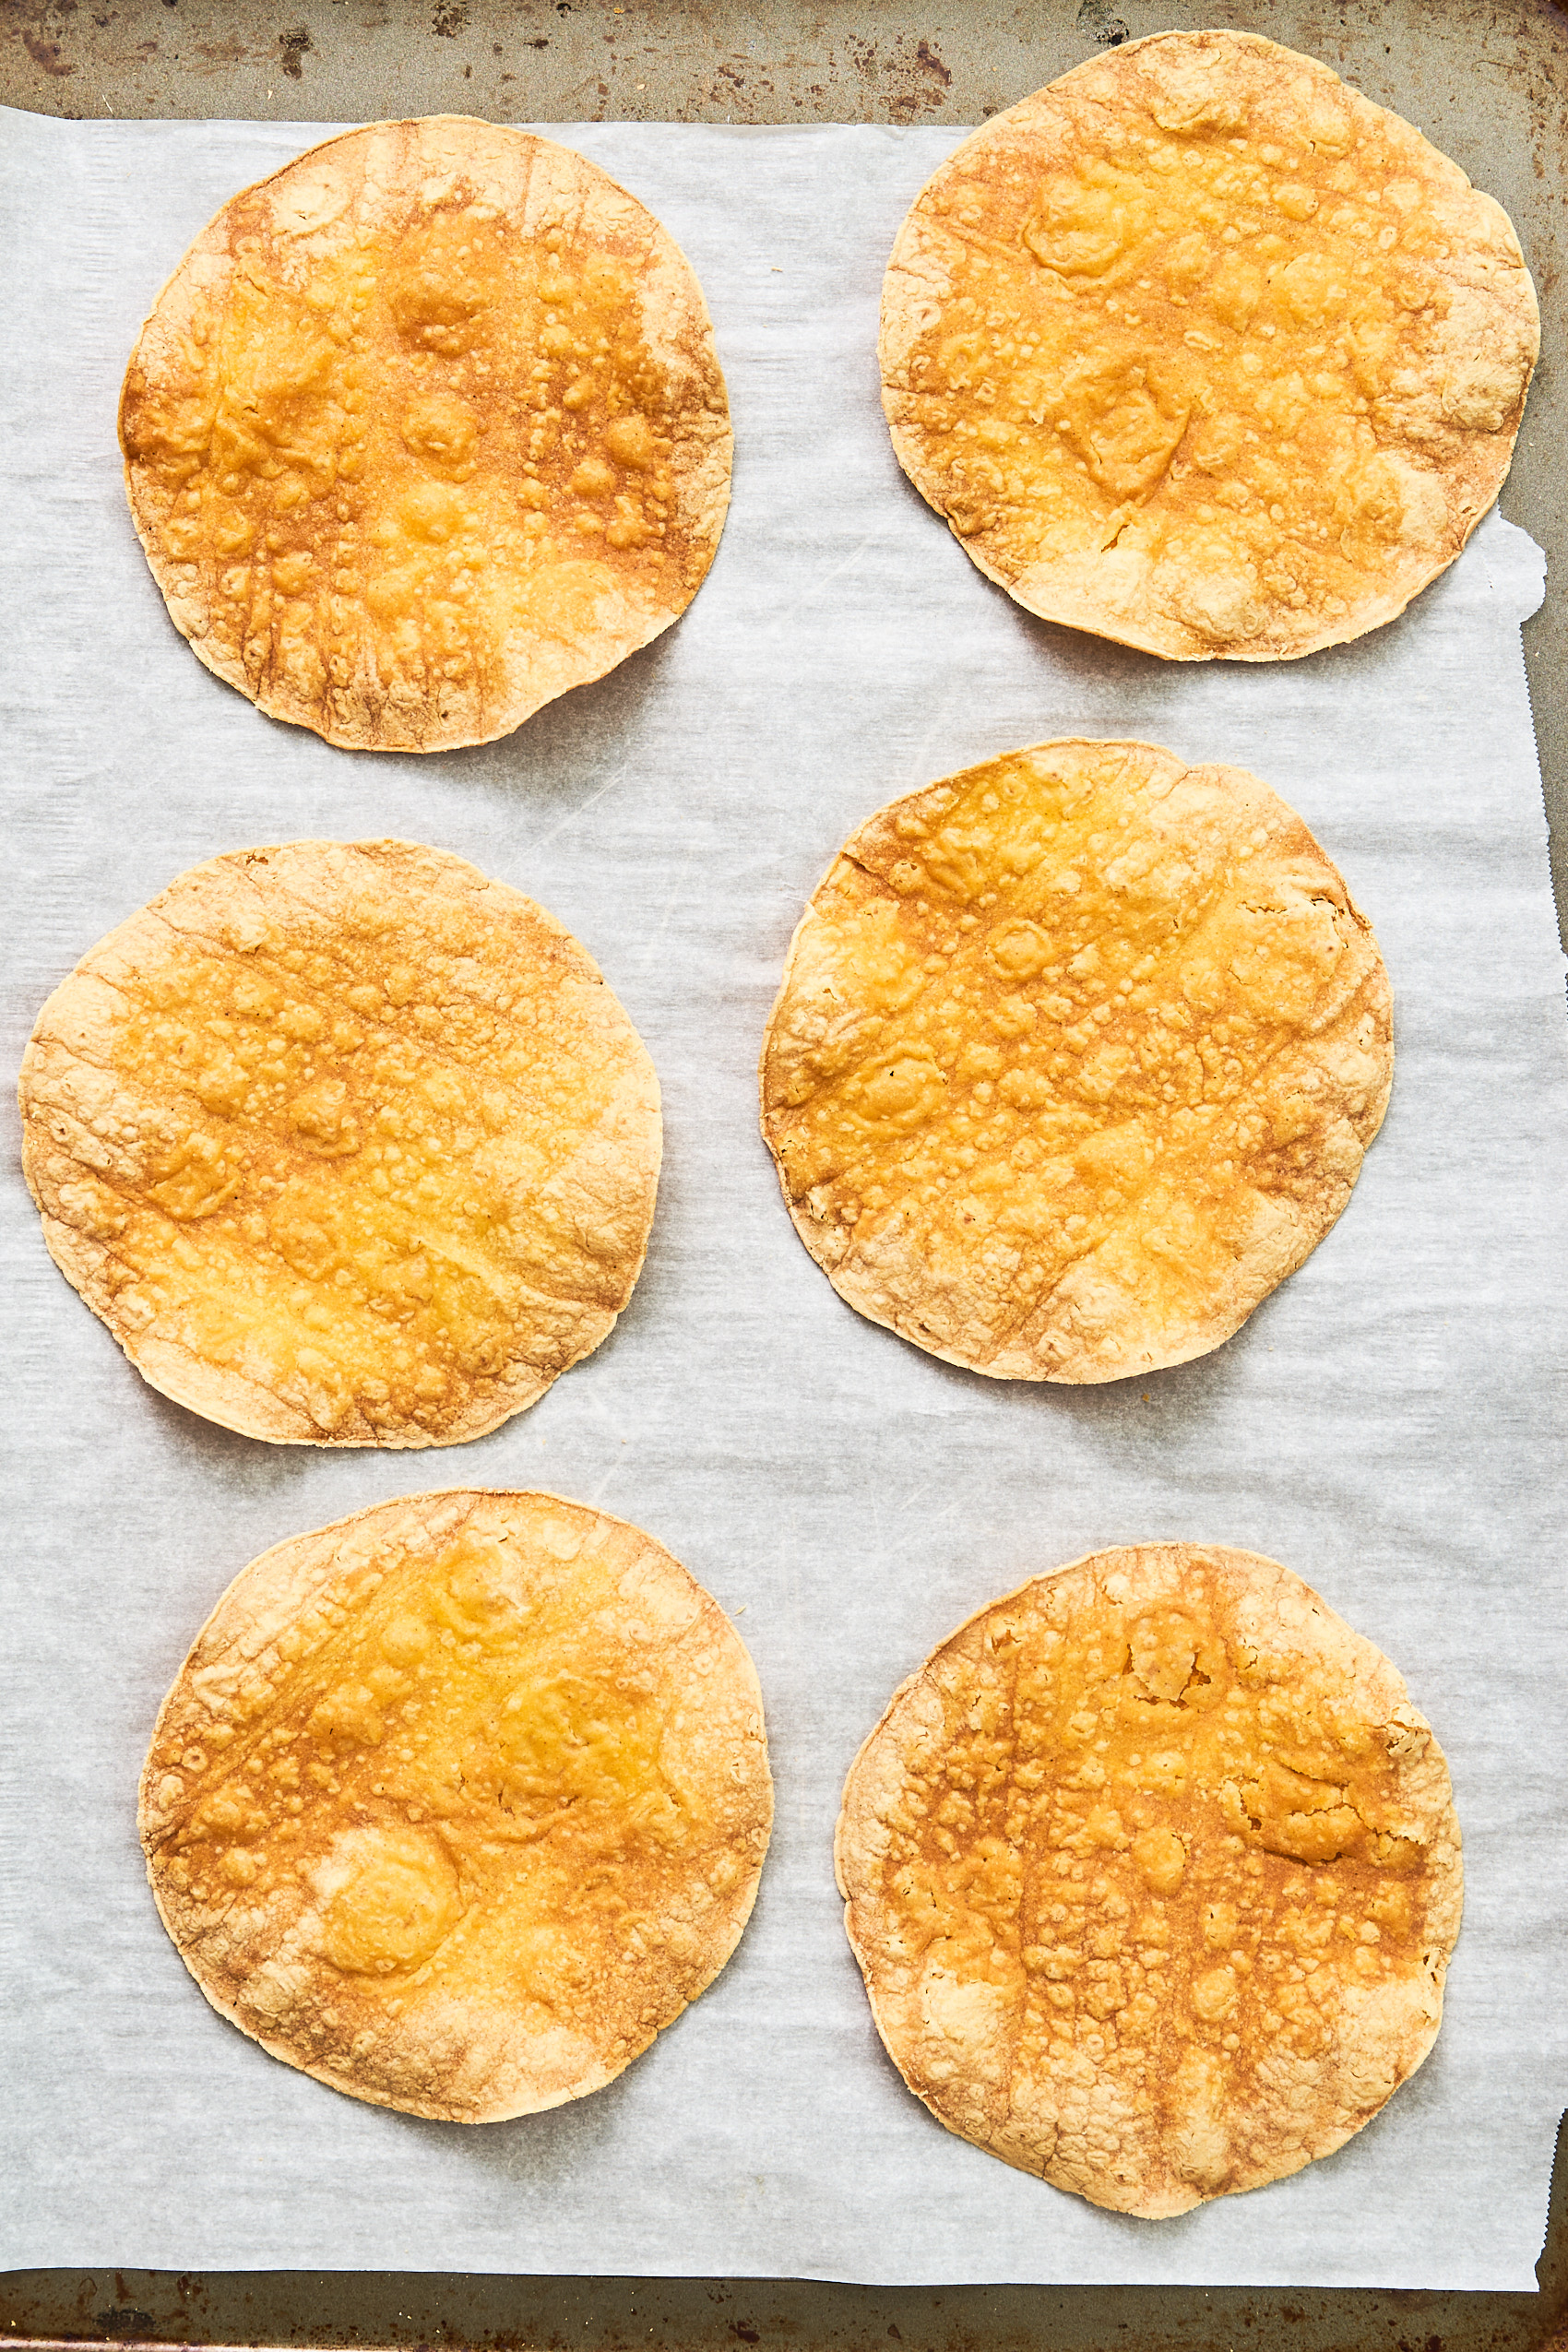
x: 1098, y: 20
x: 917, y: 79
x: 46, y: 53
x: 293, y: 48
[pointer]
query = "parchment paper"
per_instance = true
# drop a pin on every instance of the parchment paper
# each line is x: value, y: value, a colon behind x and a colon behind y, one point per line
x: 1384, y: 1423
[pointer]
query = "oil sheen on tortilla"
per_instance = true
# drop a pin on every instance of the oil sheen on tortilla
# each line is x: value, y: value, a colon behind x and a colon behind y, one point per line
x: 1076, y: 1056
x: 426, y: 429
x: 346, y: 1142
x: 1153, y: 1873
x: 457, y: 1803
x: 1200, y: 350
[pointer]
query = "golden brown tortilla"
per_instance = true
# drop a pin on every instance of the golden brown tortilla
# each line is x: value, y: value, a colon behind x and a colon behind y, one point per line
x: 426, y: 429
x: 1153, y: 1873
x: 1075, y: 1058
x: 1198, y: 349
x: 347, y: 1144
x: 457, y: 1803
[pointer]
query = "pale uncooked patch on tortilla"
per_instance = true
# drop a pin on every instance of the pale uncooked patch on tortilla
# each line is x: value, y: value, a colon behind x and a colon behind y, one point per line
x: 1075, y: 1058
x: 426, y: 429
x: 456, y: 1804
x: 1153, y: 1873
x: 346, y: 1142
x: 1198, y: 349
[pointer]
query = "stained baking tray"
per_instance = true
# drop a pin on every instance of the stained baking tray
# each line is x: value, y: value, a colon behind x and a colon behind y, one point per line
x: 1489, y: 82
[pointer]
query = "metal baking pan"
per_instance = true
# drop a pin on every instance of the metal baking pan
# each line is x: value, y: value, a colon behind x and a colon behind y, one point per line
x: 1488, y: 81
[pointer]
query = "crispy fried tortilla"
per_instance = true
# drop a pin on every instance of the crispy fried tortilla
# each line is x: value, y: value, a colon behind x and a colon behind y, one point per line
x: 1075, y: 1058
x: 1200, y: 350
x: 457, y: 1803
x: 426, y: 429
x: 1153, y: 1873
x: 347, y: 1144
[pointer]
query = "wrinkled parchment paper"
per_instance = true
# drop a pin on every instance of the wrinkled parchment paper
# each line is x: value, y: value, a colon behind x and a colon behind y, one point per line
x: 1384, y: 1423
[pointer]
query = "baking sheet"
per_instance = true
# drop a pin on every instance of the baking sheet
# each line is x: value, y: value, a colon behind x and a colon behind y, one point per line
x: 1386, y: 1423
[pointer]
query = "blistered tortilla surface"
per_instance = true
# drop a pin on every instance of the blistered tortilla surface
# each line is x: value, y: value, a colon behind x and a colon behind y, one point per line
x: 1075, y: 1058
x: 1198, y: 349
x: 1153, y: 1873
x: 426, y: 429
x: 457, y: 1803
x: 346, y: 1142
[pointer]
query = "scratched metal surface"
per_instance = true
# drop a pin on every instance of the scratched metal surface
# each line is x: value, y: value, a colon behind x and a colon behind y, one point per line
x: 1487, y: 80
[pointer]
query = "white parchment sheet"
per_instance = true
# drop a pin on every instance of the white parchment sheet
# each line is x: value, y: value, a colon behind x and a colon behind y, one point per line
x: 1384, y: 1423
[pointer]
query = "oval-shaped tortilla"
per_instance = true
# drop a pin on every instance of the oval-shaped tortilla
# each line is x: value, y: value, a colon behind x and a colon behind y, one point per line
x: 1075, y: 1059
x: 426, y: 429
x: 458, y: 1802
x: 347, y: 1144
x: 1153, y: 1873
x: 1198, y: 349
